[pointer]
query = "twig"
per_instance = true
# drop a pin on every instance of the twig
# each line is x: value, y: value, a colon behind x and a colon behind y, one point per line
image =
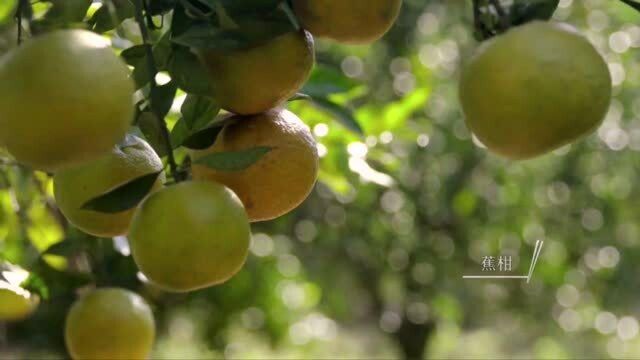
x: 19, y: 11
x: 153, y: 70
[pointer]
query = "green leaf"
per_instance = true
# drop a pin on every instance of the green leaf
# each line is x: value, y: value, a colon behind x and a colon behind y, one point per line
x: 150, y: 128
x: 523, y: 12
x: 325, y: 81
x: 198, y: 111
x: 250, y: 33
x: 61, y: 14
x: 633, y: 4
x: 157, y: 7
x: 133, y: 55
x: 36, y: 285
x: 341, y: 113
x: 136, y: 56
x: 187, y: 72
x: 103, y: 21
x: 162, y: 98
x: 123, y: 197
x: 195, y: 130
x: 234, y: 160
x: 65, y: 248
x: 203, y: 138
x: 243, y: 7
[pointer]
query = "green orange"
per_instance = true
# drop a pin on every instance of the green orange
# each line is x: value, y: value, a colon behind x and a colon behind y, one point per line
x: 110, y: 323
x: 65, y: 98
x: 533, y: 89
x: 190, y: 236
x: 76, y: 185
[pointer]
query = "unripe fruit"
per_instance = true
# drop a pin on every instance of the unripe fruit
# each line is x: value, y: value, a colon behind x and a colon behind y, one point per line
x: 110, y: 323
x: 76, y: 185
x: 190, y: 236
x: 16, y: 303
x: 65, y: 98
x: 533, y: 89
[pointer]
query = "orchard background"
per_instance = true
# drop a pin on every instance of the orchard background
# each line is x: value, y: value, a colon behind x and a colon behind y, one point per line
x: 406, y: 203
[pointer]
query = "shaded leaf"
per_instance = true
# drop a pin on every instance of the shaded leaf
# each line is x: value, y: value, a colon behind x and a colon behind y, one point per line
x: 204, y: 138
x: 61, y: 14
x: 342, y: 114
x: 325, y: 81
x: 250, y: 33
x: 150, y: 127
x: 124, y: 197
x: 65, y: 248
x: 187, y: 72
x: 245, y: 6
x: 523, y: 12
x: 162, y: 98
x: 198, y: 111
x: 103, y: 21
x: 633, y: 4
x: 234, y: 160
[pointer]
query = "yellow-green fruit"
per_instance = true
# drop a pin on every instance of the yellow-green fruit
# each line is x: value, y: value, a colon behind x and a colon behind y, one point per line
x: 190, y: 236
x: 74, y: 186
x: 279, y: 181
x: 110, y: 323
x: 251, y: 81
x: 65, y: 98
x: 16, y: 303
x: 353, y: 21
x: 533, y: 89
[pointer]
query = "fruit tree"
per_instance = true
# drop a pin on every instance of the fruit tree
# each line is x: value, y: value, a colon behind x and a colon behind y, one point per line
x: 304, y: 169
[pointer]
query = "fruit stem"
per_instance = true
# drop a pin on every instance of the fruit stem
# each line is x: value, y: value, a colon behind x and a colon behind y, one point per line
x: 153, y: 71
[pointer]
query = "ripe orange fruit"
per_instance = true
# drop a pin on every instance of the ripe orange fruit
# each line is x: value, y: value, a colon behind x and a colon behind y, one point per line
x: 110, y: 323
x: 533, y: 89
x: 354, y: 21
x: 190, y: 236
x: 74, y: 186
x: 279, y: 181
x: 65, y: 98
x: 251, y: 81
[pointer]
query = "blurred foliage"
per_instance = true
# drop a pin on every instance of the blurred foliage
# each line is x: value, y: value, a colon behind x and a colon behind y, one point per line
x: 371, y: 265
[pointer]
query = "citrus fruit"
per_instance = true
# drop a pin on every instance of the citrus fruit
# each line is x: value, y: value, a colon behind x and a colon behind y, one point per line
x: 533, y: 89
x: 354, y: 21
x: 254, y: 80
x: 190, y: 236
x: 65, y: 98
x: 16, y: 303
x: 76, y: 185
x: 280, y: 180
x: 110, y: 323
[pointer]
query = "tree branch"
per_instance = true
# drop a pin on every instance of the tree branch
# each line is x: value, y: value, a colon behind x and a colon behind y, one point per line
x: 153, y: 71
x: 18, y: 17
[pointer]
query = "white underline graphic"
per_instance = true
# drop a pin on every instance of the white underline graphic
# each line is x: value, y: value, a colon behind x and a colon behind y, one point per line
x: 534, y: 260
